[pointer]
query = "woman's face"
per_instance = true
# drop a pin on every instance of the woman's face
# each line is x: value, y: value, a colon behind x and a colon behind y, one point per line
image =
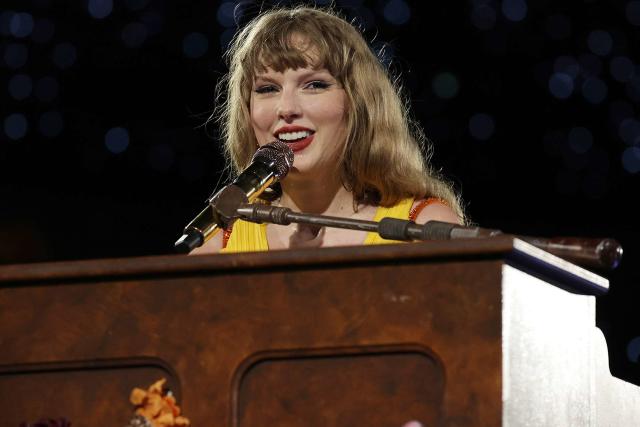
x: 304, y: 108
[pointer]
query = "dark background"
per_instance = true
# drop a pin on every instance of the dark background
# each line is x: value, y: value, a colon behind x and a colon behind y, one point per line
x: 532, y: 108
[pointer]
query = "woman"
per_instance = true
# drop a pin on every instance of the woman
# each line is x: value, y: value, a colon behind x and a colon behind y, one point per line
x: 307, y: 77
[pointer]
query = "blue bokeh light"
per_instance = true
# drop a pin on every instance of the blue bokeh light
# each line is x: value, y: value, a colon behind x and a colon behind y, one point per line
x: 590, y: 64
x: 632, y: 12
x: 594, y: 90
x: 631, y: 159
x: 51, y: 124
x: 195, y: 45
x: 561, y: 85
x: 116, y: 140
x: 629, y: 131
x: 64, y: 55
x: 21, y: 24
x: 514, y: 10
x: 100, y: 9
x: 483, y: 16
x: 397, y: 12
x: 567, y: 65
x: 20, y: 86
x: 481, y: 126
x: 622, y: 68
x: 226, y: 14
x: 15, y: 126
x: 600, y: 42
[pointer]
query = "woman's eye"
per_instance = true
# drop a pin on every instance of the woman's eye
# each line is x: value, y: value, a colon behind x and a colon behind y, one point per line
x: 265, y: 89
x: 317, y: 84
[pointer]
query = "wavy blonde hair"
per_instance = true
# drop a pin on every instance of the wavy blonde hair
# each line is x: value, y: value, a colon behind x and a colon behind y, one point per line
x: 385, y: 158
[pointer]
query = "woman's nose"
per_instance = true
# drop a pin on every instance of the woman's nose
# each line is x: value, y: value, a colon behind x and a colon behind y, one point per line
x: 289, y: 106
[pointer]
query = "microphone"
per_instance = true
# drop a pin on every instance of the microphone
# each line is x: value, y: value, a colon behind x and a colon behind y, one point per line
x: 270, y: 163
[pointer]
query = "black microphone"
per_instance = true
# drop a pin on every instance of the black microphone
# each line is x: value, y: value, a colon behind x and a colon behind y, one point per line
x: 270, y: 163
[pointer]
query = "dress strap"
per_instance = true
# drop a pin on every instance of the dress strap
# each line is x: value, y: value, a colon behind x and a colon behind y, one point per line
x: 423, y: 204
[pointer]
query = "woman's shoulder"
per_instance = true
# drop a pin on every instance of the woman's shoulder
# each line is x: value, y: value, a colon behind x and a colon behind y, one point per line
x: 433, y: 209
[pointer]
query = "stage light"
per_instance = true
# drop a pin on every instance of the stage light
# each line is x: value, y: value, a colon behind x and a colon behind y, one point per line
x: 631, y: 160
x: 594, y: 90
x: 21, y: 24
x: 100, y: 9
x: 15, y: 126
x: 445, y: 85
x: 514, y: 10
x: 195, y: 45
x: 622, y: 68
x: 561, y: 85
x: 116, y: 140
x: 600, y: 42
x: 64, y: 55
x: 43, y: 30
x: 20, y: 86
x: 580, y: 140
x: 481, y: 126
x: 483, y: 17
x: 397, y: 12
x: 47, y: 89
x: 632, y: 12
x: 51, y: 124
x: 16, y: 55
x: 134, y: 34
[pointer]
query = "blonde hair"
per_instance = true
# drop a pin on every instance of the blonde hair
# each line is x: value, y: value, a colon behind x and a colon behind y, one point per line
x: 385, y: 156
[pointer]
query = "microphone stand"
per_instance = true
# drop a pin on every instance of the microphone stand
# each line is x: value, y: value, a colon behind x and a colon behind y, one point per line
x: 599, y: 253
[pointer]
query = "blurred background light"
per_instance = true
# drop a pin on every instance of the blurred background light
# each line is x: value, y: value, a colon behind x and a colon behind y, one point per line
x: 622, y: 68
x: 633, y: 347
x: 47, y: 89
x: 134, y: 34
x: 561, y: 85
x: 631, y: 159
x: 600, y: 42
x: 514, y: 10
x: 21, y: 24
x: 632, y: 12
x: 629, y: 131
x: 483, y: 16
x: 590, y: 65
x: 51, y: 124
x: 396, y: 12
x: 116, y: 140
x: 43, y: 30
x: 445, y: 85
x: 16, y: 55
x: 195, y: 45
x: 558, y: 27
x: 225, y: 14
x: 15, y: 126
x: 580, y: 140
x: 567, y: 65
x: 481, y: 126
x: 64, y: 55
x: 100, y: 9
x: 20, y: 86
x: 594, y: 90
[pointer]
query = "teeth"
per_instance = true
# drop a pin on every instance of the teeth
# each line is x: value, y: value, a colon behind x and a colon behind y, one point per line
x: 292, y: 136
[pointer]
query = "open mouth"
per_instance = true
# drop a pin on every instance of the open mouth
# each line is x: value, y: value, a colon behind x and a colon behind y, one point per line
x: 291, y: 137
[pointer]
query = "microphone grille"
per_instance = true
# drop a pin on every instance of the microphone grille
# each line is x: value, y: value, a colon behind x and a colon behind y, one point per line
x: 278, y: 155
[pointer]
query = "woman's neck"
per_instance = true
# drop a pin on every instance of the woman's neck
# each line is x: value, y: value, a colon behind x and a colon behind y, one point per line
x: 317, y: 195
